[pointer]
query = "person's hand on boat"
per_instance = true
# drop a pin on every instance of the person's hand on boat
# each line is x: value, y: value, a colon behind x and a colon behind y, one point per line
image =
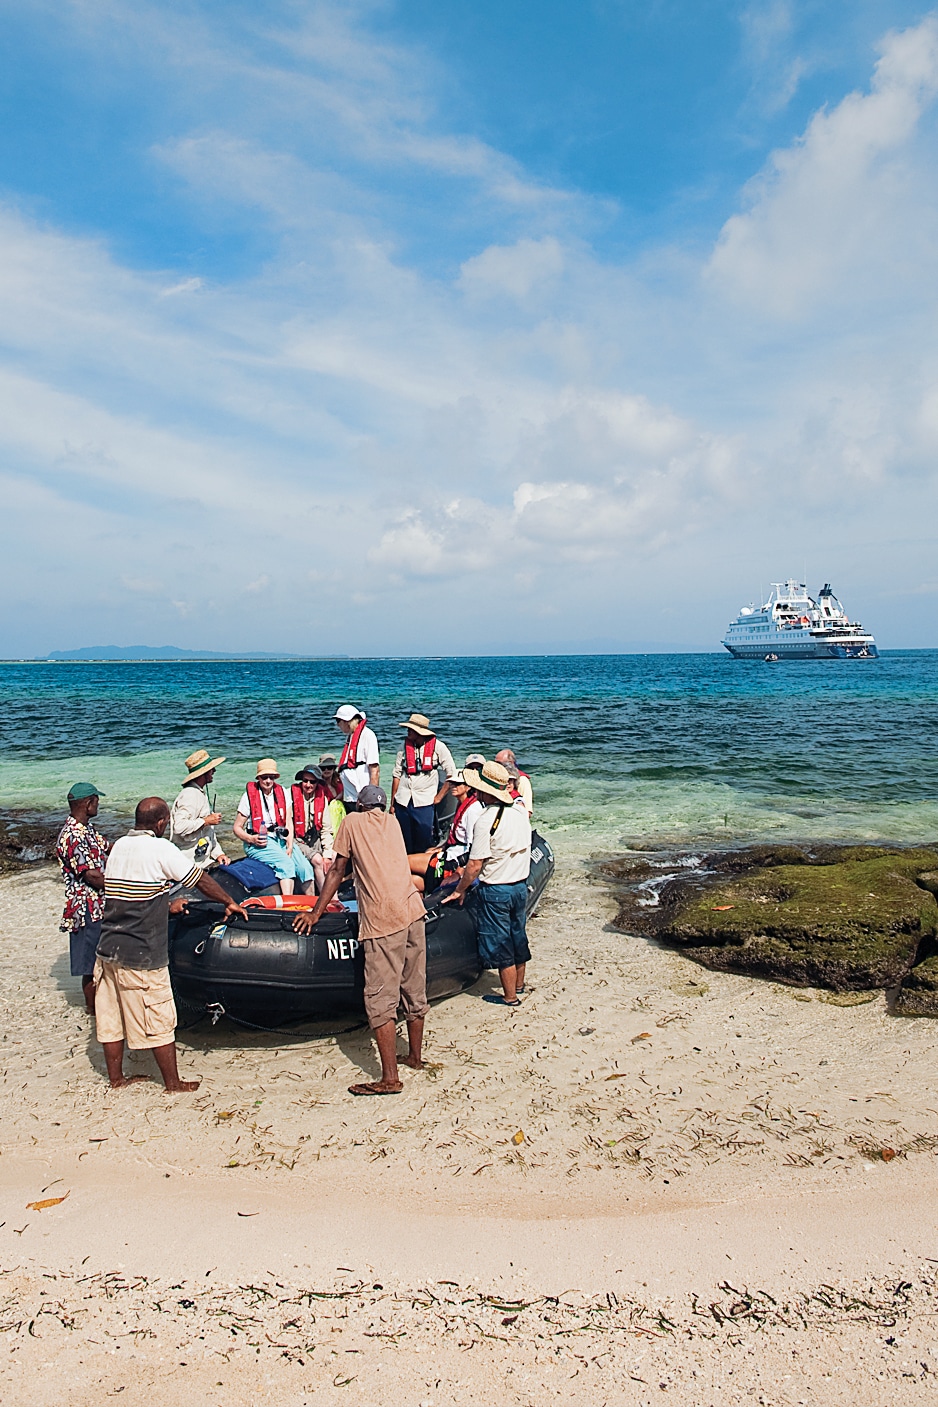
x: 305, y: 922
x: 179, y: 906
x: 456, y: 897
x: 231, y: 908
x: 223, y: 859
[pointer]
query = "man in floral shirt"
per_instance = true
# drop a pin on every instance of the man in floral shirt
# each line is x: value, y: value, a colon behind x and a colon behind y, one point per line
x: 82, y: 852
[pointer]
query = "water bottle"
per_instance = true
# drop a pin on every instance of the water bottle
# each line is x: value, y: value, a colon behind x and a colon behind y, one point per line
x: 262, y: 833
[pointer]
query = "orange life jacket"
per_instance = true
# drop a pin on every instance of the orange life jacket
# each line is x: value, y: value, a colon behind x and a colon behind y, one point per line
x: 257, y: 806
x: 349, y: 756
x: 422, y: 761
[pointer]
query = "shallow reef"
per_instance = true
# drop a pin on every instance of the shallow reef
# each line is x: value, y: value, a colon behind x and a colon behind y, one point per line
x: 846, y: 918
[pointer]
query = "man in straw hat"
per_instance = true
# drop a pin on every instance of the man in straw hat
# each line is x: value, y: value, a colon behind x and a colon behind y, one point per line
x: 192, y: 821
x: 500, y: 859
x: 391, y: 930
x: 416, y: 787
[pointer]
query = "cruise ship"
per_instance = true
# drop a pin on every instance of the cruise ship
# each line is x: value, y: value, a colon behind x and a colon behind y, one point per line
x: 791, y: 625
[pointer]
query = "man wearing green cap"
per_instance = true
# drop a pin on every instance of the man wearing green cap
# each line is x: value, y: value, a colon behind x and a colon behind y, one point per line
x: 82, y: 852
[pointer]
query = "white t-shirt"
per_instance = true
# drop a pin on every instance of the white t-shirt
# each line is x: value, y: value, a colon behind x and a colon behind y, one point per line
x: 354, y: 778
x: 268, y: 809
x: 465, y: 828
x: 506, y: 855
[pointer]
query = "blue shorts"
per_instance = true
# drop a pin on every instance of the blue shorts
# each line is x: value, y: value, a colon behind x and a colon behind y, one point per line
x: 274, y: 854
x: 499, y: 912
x: 82, y: 947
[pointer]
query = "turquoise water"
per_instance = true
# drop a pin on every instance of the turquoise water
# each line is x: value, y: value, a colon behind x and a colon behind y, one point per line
x: 663, y: 749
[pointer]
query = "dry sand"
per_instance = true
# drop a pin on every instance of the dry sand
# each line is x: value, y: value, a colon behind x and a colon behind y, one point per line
x: 650, y: 1183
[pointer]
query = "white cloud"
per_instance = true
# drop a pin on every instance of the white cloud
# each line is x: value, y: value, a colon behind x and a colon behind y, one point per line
x: 831, y: 211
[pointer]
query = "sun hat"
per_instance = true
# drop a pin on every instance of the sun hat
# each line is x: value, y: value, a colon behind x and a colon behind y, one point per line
x: 418, y: 723
x: 198, y: 763
x: 267, y: 764
x: 493, y: 780
x: 475, y: 759
x: 328, y: 760
x: 80, y: 791
x: 370, y: 798
x: 347, y: 712
x: 310, y: 770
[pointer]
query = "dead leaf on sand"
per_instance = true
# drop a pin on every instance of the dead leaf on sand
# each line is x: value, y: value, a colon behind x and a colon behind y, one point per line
x: 887, y: 1154
x: 617, y: 1077
x: 54, y: 1202
x: 642, y: 1036
x: 517, y: 1138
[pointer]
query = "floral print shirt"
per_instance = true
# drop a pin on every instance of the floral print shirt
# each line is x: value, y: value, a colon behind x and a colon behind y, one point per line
x: 80, y: 848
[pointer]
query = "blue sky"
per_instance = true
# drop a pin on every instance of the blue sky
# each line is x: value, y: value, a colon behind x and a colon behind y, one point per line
x: 412, y: 327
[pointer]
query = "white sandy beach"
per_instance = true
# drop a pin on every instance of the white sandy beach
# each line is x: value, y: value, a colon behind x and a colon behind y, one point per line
x: 650, y: 1180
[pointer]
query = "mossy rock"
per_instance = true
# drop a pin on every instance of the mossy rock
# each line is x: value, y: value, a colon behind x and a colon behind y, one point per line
x: 918, y: 995
x: 849, y: 926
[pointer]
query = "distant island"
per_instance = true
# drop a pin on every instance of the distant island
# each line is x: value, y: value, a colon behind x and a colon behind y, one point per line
x: 95, y: 654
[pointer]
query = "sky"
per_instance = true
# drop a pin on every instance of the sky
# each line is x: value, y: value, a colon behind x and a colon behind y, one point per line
x: 403, y: 328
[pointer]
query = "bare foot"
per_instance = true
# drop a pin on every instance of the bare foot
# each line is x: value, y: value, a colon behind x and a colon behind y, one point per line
x: 182, y: 1086
x: 129, y: 1080
x: 413, y: 1062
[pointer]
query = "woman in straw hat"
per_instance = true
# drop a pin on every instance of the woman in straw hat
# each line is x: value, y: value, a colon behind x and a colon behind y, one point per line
x: 192, y: 821
x: 500, y: 859
x: 264, y: 825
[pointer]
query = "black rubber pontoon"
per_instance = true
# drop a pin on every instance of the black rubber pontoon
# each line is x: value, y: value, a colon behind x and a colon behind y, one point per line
x: 264, y: 974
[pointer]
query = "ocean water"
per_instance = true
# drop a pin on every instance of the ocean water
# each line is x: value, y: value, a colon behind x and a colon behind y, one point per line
x: 624, y: 750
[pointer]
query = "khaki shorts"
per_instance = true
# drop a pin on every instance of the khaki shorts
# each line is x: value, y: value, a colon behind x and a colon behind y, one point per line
x: 396, y: 975
x: 134, y: 1005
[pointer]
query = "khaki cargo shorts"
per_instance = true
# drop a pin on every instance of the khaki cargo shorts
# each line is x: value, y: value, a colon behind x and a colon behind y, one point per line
x: 396, y: 975
x: 134, y: 1005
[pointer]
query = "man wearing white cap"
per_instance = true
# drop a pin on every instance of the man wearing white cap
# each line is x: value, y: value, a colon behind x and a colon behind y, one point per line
x: 359, y: 765
x: 417, y: 788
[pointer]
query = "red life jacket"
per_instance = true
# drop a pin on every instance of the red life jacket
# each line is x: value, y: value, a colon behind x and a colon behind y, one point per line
x: 513, y: 785
x: 415, y: 762
x: 461, y: 810
x: 321, y: 798
x: 334, y: 789
x: 349, y: 756
x: 257, y: 808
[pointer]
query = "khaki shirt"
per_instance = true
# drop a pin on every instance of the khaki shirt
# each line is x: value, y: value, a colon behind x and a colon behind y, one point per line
x: 422, y: 788
x: 187, y: 824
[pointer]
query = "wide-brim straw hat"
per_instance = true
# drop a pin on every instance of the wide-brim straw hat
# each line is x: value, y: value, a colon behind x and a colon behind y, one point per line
x: 492, y: 779
x: 267, y: 764
x: 418, y: 723
x: 198, y: 763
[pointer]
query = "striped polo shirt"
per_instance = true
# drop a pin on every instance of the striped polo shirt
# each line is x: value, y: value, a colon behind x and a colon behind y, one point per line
x: 141, y: 871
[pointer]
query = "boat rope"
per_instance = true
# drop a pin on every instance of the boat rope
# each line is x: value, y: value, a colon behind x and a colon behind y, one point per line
x: 216, y: 1011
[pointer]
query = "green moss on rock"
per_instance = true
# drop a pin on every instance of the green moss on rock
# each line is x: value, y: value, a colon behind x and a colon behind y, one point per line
x: 918, y: 995
x: 851, y: 925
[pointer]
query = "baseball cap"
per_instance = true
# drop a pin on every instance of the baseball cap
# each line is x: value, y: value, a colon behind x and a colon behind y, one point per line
x: 80, y: 791
x: 371, y: 797
x: 346, y: 712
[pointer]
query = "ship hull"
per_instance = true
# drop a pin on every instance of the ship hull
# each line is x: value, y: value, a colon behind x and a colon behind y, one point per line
x: 815, y: 650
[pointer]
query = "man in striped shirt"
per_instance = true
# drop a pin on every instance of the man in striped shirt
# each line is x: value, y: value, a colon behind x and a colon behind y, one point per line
x: 133, y: 996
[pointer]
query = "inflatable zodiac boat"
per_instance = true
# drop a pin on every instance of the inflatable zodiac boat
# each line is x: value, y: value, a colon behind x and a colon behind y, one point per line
x: 264, y: 974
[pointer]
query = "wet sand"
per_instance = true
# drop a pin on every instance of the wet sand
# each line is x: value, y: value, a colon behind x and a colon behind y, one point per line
x: 649, y: 1180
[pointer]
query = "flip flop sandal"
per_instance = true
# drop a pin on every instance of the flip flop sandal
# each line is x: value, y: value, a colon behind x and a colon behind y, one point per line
x: 376, y: 1089
x: 500, y: 1001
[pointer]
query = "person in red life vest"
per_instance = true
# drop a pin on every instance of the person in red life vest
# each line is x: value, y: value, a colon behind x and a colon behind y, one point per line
x: 330, y: 774
x: 360, y: 763
x: 264, y: 825
x: 520, y: 781
x: 417, y: 787
x: 311, y: 801
x: 431, y: 867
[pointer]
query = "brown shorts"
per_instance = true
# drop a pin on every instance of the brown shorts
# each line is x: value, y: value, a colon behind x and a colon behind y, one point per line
x: 134, y: 1005
x: 396, y: 975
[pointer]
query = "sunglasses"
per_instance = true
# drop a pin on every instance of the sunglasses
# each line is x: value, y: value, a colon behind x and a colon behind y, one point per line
x: 268, y: 776
x: 327, y: 769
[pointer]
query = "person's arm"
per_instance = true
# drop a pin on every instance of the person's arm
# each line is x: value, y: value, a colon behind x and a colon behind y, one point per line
x: 327, y: 835
x: 446, y: 765
x: 469, y: 876
x: 374, y: 762
x: 94, y: 879
x: 290, y: 832
x: 374, y: 772
x: 443, y: 791
x: 395, y: 783
x: 245, y: 836
x: 306, y: 922
x: 213, y: 890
